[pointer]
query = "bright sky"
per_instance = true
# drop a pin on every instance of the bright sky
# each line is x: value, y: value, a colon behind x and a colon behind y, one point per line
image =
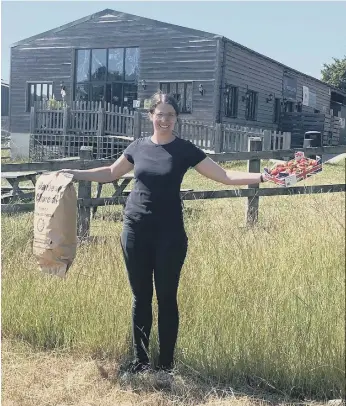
x: 302, y: 35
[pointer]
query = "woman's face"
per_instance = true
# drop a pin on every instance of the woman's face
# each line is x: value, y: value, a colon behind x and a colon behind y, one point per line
x: 164, y: 119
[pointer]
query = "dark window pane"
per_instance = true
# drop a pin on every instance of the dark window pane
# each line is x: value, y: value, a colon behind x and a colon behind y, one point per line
x: 97, y: 93
x: 98, y: 64
x: 132, y: 64
x: 289, y: 108
x: 182, y: 92
x: 173, y: 89
x: 117, y: 94
x: 108, y: 92
x: 130, y: 94
x: 231, y: 101
x: 44, y: 91
x: 83, y: 65
x: 180, y: 96
x: 251, y: 105
x: 50, y: 91
x: 116, y: 64
x: 32, y: 95
x: 38, y: 91
x: 82, y: 92
x: 164, y: 87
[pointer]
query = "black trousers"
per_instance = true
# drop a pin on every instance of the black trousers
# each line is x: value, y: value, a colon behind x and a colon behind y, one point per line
x: 158, y: 252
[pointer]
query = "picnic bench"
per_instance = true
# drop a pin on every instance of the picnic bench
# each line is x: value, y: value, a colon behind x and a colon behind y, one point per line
x: 16, y: 192
x: 119, y: 187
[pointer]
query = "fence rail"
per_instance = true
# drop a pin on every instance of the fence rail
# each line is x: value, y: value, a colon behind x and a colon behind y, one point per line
x: 252, y: 193
x: 87, y: 123
x: 56, y: 165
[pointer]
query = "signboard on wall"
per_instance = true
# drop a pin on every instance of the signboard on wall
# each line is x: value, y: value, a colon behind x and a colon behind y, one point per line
x: 289, y: 88
x: 136, y: 104
x: 147, y: 104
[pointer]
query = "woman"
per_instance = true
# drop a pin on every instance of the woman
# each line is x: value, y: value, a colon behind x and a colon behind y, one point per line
x: 153, y: 238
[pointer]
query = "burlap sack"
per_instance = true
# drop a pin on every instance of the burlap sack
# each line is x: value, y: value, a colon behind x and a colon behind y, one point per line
x: 55, y: 223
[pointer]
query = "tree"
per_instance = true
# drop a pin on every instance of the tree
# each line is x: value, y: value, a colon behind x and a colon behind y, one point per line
x: 335, y: 73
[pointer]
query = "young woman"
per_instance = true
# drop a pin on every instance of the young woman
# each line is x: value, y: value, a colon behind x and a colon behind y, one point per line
x: 153, y: 238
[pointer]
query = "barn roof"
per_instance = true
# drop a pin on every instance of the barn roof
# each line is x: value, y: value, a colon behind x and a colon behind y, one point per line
x: 114, y: 13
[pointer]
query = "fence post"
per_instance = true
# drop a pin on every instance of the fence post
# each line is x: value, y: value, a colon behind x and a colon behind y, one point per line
x: 137, y: 128
x: 100, y: 131
x: 218, y: 139
x: 100, y: 122
x: 267, y: 140
x: 84, y: 192
x: 254, y: 166
x: 65, y: 130
x: 32, y: 120
x: 287, y: 140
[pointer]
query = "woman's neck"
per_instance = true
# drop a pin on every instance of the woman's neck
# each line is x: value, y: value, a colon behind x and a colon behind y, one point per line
x: 157, y: 138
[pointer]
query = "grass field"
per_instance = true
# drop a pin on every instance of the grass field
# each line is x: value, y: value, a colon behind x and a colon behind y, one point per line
x: 262, y: 310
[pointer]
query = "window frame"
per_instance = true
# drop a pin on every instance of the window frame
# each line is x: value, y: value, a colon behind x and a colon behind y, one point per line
x: 28, y: 85
x: 177, y: 83
x: 89, y: 83
x: 251, y: 107
x: 231, y: 101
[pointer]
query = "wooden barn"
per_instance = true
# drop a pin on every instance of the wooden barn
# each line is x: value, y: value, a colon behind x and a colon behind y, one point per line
x: 123, y: 59
x: 5, y: 99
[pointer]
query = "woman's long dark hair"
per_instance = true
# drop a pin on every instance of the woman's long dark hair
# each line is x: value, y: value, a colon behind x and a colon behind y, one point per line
x: 165, y: 98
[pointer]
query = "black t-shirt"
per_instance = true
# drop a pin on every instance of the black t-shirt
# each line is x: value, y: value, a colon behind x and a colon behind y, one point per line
x: 159, y: 171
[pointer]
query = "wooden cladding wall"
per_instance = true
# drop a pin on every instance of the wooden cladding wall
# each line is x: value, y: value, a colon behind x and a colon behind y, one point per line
x: 249, y: 70
x: 39, y: 65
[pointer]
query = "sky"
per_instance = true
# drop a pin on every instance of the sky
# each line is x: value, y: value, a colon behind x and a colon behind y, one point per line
x: 302, y: 35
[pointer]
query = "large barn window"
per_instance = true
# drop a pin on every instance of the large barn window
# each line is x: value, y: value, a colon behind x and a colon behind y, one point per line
x: 231, y: 101
x: 251, y: 105
x: 182, y: 92
x: 109, y: 75
x: 38, y: 92
x: 98, y: 64
x: 115, y: 64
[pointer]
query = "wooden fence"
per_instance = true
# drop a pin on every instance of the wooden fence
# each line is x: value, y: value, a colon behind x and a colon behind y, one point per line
x: 252, y: 193
x: 60, y: 132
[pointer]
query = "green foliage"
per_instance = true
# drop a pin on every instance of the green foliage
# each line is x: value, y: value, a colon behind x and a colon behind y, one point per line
x: 335, y: 73
x: 54, y: 104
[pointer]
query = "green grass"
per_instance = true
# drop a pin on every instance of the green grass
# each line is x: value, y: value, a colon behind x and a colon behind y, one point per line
x: 263, y: 305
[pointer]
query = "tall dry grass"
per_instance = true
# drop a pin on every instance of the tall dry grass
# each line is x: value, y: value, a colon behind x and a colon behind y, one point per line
x: 264, y: 306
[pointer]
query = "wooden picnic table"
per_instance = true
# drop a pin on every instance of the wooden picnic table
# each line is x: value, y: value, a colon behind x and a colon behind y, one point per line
x: 14, y: 178
x: 119, y: 187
